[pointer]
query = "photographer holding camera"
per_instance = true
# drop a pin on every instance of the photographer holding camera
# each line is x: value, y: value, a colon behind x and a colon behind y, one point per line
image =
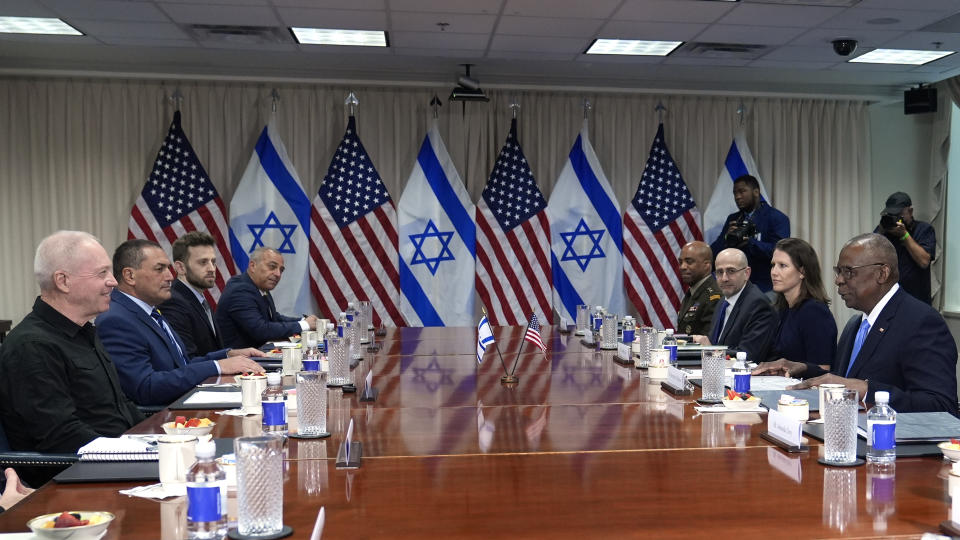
x: 915, y: 241
x: 755, y: 229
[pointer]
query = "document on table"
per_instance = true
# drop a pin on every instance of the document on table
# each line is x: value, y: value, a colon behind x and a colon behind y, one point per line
x: 771, y: 382
x: 205, y: 398
x: 920, y: 427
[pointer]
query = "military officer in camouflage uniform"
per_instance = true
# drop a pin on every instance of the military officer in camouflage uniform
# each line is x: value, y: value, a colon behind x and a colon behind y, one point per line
x: 696, y: 310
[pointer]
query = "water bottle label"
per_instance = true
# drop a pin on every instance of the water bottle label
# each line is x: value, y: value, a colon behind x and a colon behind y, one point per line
x: 203, y: 504
x: 884, y: 436
x: 340, y: 331
x: 597, y: 322
x: 741, y: 382
x: 350, y: 317
x: 274, y: 413
x: 673, y: 353
x: 311, y: 365
x: 628, y: 336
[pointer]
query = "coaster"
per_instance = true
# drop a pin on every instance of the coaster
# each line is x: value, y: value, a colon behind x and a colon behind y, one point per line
x: 950, y: 527
x: 323, y: 435
x: 283, y: 533
x: 783, y: 445
x: 856, y: 463
x: 349, y: 388
x: 709, y: 401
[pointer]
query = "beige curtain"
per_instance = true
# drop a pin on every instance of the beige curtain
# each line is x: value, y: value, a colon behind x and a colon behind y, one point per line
x: 74, y: 153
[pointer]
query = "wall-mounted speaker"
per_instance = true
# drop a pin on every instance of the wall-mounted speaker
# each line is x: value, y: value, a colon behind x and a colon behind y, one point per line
x: 920, y: 100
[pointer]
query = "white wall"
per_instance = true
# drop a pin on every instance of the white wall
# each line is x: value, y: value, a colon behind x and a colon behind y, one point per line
x: 900, y: 158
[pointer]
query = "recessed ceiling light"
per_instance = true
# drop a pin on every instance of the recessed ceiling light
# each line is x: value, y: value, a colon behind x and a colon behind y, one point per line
x: 900, y: 56
x: 334, y: 36
x: 635, y: 47
x: 36, y: 25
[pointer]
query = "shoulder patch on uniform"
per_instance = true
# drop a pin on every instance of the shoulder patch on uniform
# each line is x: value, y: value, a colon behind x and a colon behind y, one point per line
x: 714, y: 297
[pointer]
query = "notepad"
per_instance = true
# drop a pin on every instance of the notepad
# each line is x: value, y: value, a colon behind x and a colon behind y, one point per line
x: 117, y: 449
x: 207, y: 397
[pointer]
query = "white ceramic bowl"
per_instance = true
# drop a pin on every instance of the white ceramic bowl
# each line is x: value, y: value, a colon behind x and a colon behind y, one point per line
x: 739, y: 404
x: 85, y: 532
x: 951, y: 454
x: 170, y: 429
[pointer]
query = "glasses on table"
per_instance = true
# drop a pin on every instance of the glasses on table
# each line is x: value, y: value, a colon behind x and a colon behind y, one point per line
x: 848, y: 272
x: 729, y: 271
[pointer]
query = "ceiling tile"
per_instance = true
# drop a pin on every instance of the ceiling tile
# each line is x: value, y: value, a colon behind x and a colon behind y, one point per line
x: 545, y: 26
x: 689, y: 61
x: 427, y: 22
x: 334, y: 18
x: 439, y: 40
x: 857, y: 17
x: 146, y: 42
x: 789, y: 53
x: 108, y: 10
x: 759, y: 35
x: 24, y: 8
x: 491, y: 7
x: 600, y: 9
x: 539, y: 44
x: 332, y: 4
x: 925, y: 41
x: 244, y: 45
x: 146, y: 30
x: 650, y: 31
x: 441, y: 52
x: 618, y: 59
x: 686, y: 11
x: 531, y: 55
x: 792, y: 65
x: 774, y: 15
x: 217, y: 14
x: 217, y: 2
x: 951, y: 6
x: 865, y: 37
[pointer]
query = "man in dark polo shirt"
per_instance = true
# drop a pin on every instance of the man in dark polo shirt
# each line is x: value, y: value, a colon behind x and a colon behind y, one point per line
x: 915, y: 242
x: 700, y: 300
x: 58, y: 388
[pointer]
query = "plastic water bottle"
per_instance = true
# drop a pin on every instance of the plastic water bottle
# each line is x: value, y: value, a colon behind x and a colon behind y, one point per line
x: 741, y: 375
x: 881, y: 430
x: 629, y: 329
x: 206, y: 495
x: 598, y: 319
x: 311, y: 356
x: 670, y: 343
x: 274, y: 407
x: 342, y: 324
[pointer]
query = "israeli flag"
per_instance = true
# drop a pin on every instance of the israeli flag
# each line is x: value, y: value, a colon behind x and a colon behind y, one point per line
x: 586, y: 235
x: 738, y: 163
x: 437, y: 232
x: 271, y: 209
x: 484, y: 338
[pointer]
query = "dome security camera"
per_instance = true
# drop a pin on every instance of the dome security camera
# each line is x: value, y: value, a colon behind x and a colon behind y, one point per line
x: 844, y: 46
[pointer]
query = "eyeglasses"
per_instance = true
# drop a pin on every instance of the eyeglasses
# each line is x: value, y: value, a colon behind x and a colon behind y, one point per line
x: 728, y: 271
x: 848, y: 272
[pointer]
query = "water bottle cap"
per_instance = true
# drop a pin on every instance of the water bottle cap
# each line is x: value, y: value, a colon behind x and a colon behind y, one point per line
x: 206, y: 449
x: 669, y: 331
x: 627, y: 317
x: 343, y: 314
x: 742, y: 355
x: 349, y: 305
x: 273, y: 378
x: 881, y: 396
x: 599, y: 308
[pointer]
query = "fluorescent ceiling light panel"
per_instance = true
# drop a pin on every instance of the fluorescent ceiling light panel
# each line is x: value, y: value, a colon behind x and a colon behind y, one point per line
x: 333, y: 36
x: 900, y: 56
x: 634, y: 47
x: 36, y: 25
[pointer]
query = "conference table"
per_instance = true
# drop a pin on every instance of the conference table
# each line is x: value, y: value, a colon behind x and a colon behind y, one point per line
x: 580, y: 447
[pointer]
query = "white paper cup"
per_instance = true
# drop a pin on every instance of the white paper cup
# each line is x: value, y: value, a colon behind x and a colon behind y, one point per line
x: 176, y: 454
x: 251, y: 387
x: 823, y: 388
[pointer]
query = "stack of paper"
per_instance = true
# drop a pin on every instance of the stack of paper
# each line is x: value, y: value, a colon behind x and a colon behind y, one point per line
x: 117, y: 449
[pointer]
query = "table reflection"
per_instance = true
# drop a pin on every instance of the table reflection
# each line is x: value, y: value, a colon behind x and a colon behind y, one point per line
x: 839, y: 498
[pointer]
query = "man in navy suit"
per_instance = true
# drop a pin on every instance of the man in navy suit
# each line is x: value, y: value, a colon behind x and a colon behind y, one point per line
x: 187, y: 310
x: 246, y: 315
x: 151, y: 358
x: 897, y: 344
x: 771, y: 226
x: 745, y: 319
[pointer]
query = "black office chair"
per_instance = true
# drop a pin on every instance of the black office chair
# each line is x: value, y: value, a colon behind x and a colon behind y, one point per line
x: 11, y: 458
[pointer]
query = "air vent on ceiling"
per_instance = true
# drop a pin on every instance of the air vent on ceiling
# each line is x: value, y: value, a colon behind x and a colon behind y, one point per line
x: 239, y: 34
x: 744, y: 51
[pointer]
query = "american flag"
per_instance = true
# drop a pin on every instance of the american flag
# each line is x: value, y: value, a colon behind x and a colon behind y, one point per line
x: 533, y: 333
x: 179, y: 198
x: 661, y: 218
x: 353, y: 236
x: 513, y: 240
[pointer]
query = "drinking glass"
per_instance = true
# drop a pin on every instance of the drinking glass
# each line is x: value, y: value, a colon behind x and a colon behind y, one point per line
x: 840, y: 425
x: 583, y: 319
x: 312, y: 403
x: 645, y: 338
x: 714, y: 363
x: 337, y: 357
x: 608, y: 338
x: 259, y: 485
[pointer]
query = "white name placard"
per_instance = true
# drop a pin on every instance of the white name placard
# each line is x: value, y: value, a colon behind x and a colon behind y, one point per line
x: 784, y: 428
x: 623, y: 352
x: 676, y: 378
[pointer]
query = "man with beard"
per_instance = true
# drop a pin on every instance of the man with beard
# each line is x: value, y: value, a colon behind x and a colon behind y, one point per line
x: 915, y: 242
x: 187, y: 310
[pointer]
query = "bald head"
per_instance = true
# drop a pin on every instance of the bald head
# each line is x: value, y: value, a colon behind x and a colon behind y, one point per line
x: 732, y: 271
x: 696, y: 261
x: 733, y: 256
x: 866, y: 270
x: 878, y: 248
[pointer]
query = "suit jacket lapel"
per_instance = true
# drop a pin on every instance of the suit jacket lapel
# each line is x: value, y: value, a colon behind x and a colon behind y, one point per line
x: 734, y: 312
x: 149, y: 322
x: 844, y: 348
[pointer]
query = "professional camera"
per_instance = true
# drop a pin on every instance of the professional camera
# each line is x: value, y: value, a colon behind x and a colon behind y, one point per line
x: 889, y: 221
x: 741, y: 232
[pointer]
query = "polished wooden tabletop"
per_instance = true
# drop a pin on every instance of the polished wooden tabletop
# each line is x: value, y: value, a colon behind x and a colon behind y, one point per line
x: 581, y: 447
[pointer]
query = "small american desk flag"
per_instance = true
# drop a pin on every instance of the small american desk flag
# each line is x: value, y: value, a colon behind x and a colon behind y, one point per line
x: 533, y: 333
x: 661, y: 218
x: 179, y: 198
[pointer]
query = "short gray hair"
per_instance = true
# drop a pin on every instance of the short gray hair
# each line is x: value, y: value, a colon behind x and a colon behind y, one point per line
x: 258, y: 253
x: 58, y: 252
x: 879, y: 247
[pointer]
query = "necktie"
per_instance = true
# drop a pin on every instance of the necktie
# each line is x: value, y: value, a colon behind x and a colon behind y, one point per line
x: 206, y: 309
x: 718, y: 328
x: 857, y: 343
x: 166, y: 328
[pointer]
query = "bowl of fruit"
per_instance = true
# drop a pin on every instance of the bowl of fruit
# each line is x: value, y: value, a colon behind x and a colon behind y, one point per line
x: 74, y: 525
x: 189, y: 426
x: 740, y: 401
x: 950, y: 449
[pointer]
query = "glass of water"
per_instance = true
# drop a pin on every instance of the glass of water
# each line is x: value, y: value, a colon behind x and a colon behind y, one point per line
x: 259, y: 485
x: 714, y: 363
x: 339, y: 363
x: 583, y: 319
x: 312, y: 403
x: 840, y: 425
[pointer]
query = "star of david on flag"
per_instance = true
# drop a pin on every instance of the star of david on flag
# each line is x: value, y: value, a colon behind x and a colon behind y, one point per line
x: 586, y: 234
x: 437, y: 241
x: 271, y: 209
x: 179, y: 198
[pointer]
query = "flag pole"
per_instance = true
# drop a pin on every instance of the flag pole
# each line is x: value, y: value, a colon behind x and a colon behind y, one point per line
x: 274, y: 99
x: 497, y: 347
x: 351, y: 102
x: 517, y: 359
x: 176, y: 98
x: 660, y: 109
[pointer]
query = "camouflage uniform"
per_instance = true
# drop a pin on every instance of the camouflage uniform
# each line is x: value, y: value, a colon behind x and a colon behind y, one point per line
x: 696, y: 310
